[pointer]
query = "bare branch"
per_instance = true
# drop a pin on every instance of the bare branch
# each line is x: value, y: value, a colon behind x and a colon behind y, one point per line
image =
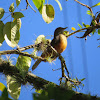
x: 18, y: 51
x: 29, y: 5
x: 86, y: 6
x: 77, y: 31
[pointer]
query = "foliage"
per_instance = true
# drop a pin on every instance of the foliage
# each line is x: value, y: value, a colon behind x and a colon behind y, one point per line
x: 13, y: 87
x: 4, y: 95
x: 54, y: 93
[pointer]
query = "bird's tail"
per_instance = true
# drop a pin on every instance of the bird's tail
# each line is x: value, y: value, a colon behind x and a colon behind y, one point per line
x: 36, y: 64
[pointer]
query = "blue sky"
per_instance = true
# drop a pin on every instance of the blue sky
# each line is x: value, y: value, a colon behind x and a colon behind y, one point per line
x: 82, y: 57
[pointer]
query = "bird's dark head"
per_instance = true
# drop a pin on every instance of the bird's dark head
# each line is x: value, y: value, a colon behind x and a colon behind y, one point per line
x: 58, y: 31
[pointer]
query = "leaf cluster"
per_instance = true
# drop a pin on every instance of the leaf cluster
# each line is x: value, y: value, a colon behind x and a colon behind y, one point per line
x: 10, y: 32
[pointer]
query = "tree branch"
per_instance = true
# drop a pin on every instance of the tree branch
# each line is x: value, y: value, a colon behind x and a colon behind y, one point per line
x: 39, y: 83
x: 13, y: 71
x: 94, y: 27
x: 18, y: 51
x: 86, y: 6
x: 29, y: 5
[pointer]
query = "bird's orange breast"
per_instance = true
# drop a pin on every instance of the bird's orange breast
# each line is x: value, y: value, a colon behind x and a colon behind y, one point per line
x: 62, y: 44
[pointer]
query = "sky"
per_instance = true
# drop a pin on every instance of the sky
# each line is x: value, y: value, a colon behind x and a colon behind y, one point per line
x: 82, y: 57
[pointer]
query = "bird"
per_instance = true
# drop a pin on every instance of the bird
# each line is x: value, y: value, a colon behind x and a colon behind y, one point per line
x: 59, y: 43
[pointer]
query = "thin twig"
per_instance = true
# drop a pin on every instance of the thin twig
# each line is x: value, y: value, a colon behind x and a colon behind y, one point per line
x: 63, y: 66
x: 71, y: 80
x: 29, y: 5
x: 6, y: 17
x: 19, y: 51
x: 97, y: 26
x: 86, y: 6
x: 77, y: 31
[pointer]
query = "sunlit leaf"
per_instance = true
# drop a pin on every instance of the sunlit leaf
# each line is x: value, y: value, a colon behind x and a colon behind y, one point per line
x: 18, y: 2
x: 23, y: 62
x: 98, y: 31
x: 79, y: 25
x: 39, y: 4
x: 18, y: 21
x: 1, y: 32
x: 83, y: 79
x: 1, y: 12
x: 13, y: 87
x: 98, y: 4
x: 17, y: 15
x: 89, y: 12
x: 11, y: 33
x: 85, y: 25
x: 11, y: 8
x: 73, y: 29
x: 48, y: 13
x: 2, y: 86
x: 66, y: 33
x: 39, y: 91
x: 59, y: 5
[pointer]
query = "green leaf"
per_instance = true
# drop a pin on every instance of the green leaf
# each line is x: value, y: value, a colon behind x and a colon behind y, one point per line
x: 39, y: 91
x: 23, y: 62
x: 4, y: 95
x: 39, y: 4
x: 83, y: 79
x: 48, y: 13
x: 18, y: 2
x: 11, y: 8
x: 18, y: 21
x: 93, y: 23
x: 1, y: 12
x: 93, y: 31
x: 1, y: 32
x: 66, y: 33
x: 98, y: 4
x: 11, y: 33
x: 85, y: 25
x: 79, y: 25
x: 59, y: 5
x: 98, y: 31
x: 17, y: 15
x: 89, y: 12
x: 2, y: 86
x: 13, y: 87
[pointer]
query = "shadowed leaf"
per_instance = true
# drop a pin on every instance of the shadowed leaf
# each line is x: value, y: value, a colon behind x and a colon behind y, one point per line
x: 18, y: 2
x: 48, y: 13
x: 1, y: 12
x: 11, y: 8
x: 13, y: 87
x: 17, y: 15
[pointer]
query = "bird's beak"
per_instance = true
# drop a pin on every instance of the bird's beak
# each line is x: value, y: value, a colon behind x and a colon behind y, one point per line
x: 65, y: 28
